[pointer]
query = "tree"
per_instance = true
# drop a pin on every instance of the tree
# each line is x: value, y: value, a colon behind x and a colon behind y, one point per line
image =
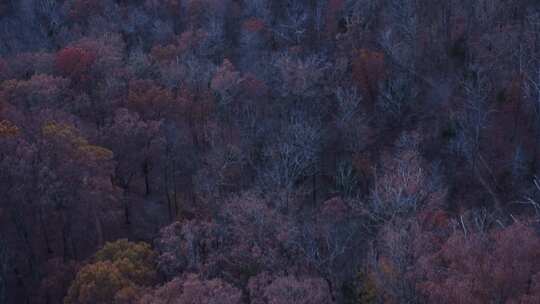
x: 40, y: 91
x: 293, y: 157
x: 368, y: 71
x: 258, y: 237
x: 135, y: 261
x: 301, y: 77
x: 248, y: 238
x: 404, y: 186
x: 117, y: 273
x: 150, y: 100
x: 74, y: 62
x: 186, y: 247
x: 81, y: 165
x: 100, y: 282
x: 226, y: 81
x: 192, y: 289
x: 266, y: 289
x: 126, y: 134
x: 399, y: 40
x: 327, y: 243
x: 501, y: 266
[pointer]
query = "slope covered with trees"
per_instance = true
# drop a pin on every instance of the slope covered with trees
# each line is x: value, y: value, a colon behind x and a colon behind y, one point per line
x: 269, y: 151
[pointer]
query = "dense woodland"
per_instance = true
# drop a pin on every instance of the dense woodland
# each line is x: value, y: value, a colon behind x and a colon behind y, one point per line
x: 269, y: 151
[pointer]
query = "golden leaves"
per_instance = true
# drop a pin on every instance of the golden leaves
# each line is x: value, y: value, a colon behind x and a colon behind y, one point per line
x: 8, y: 129
x: 116, y: 276
x: 66, y: 134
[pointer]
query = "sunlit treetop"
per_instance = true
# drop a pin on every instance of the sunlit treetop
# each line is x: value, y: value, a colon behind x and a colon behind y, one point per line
x: 66, y: 134
x: 8, y: 129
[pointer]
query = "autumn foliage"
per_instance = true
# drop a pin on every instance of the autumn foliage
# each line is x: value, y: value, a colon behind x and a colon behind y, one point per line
x: 74, y: 61
x: 269, y: 152
x: 117, y: 273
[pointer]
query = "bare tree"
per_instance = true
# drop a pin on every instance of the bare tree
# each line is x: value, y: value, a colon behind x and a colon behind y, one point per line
x: 293, y: 155
x: 473, y: 120
x: 293, y: 29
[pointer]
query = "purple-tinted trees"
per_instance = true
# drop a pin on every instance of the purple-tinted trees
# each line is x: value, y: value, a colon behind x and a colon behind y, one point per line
x: 267, y: 289
x: 191, y: 289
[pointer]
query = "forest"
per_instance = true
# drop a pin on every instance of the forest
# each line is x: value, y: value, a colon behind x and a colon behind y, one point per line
x: 269, y: 151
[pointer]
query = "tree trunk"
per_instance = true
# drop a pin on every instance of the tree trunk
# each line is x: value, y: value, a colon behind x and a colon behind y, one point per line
x: 44, y: 230
x: 146, y: 171
x: 126, y: 206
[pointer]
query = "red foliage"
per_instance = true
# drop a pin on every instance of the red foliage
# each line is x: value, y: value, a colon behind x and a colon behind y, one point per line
x: 253, y: 25
x: 74, y: 61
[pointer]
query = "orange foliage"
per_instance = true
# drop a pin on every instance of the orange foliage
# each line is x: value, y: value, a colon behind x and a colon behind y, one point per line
x: 149, y: 99
x: 67, y: 136
x: 120, y: 270
x: 8, y: 129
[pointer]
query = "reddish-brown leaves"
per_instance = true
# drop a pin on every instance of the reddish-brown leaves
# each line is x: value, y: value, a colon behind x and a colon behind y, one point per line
x: 149, y: 99
x: 253, y: 25
x: 74, y: 61
x: 481, y: 268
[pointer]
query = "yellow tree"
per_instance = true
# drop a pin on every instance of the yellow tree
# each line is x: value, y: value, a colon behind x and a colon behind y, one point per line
x: 120, y: 270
